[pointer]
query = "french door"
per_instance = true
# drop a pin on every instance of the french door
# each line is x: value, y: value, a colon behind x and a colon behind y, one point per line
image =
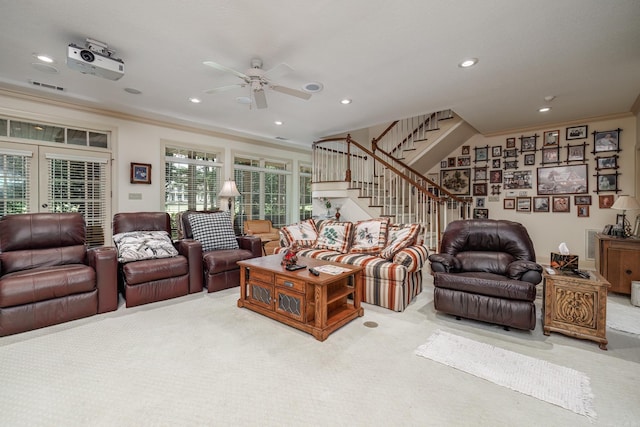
x: 42, y: 178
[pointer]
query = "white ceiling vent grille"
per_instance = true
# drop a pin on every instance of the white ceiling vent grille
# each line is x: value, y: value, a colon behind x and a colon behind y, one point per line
x: 46, y: 85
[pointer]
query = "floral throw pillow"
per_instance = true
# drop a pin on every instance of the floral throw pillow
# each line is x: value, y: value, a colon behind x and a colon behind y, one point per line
x: 139, y: 245
x: 334, y: 236
x: 400, y: 237
x: 369, y: 236
x: 303, y: 234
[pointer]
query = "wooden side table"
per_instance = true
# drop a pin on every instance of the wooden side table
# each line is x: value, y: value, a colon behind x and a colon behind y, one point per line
x: 575, y: 306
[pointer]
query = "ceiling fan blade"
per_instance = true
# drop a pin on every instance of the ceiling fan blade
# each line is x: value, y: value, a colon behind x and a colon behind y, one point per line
x: 278, y: 71
x: 293, y: 92
x: 261, y: 98
x: 223, y: 88
x: 226, y: 69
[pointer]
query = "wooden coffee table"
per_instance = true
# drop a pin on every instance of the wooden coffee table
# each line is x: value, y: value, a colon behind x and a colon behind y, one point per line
x: 317, y: 305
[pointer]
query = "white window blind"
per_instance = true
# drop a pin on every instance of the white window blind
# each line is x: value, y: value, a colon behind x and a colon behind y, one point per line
x: 15, y: 178
x: 78, y: 184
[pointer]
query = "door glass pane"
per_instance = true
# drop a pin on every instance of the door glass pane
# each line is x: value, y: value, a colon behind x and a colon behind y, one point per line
x: 14, y: 184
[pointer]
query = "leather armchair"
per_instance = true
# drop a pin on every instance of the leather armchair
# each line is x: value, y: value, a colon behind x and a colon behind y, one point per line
x: 486, y: 270
x: 47, y: 274
x: 219, y: 267
x: 152, y: 280
x: 264, y: 229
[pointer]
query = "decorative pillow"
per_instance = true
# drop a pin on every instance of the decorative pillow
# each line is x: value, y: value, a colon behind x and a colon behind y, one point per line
x: 303, y: 234
x: 213, y: 230
x: 334, y: 236
x: 369, y: 236
x: 400, y: 237
x: 139, y: 245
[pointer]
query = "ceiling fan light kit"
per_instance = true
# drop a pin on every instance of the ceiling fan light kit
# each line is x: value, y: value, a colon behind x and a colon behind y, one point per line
x: 258, y: 80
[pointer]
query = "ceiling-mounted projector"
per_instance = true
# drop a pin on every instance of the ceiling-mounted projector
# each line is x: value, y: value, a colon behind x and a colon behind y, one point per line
x: 95, y: 59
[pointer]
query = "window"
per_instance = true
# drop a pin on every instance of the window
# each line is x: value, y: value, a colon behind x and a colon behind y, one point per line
x: 15, y: 170
x: 192, y: 180
x: 305, y: 192
x: 52, y: 133
x: 263, y: 185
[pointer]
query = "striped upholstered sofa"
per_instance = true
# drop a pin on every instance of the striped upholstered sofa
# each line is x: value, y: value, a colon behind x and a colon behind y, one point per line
x: 392, y: 266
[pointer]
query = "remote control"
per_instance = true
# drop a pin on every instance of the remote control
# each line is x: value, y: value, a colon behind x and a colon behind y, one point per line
x: 314, y: 271
x: 582, y: 273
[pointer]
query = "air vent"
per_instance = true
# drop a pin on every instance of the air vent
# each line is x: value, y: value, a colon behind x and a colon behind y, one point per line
x: 46, y: 85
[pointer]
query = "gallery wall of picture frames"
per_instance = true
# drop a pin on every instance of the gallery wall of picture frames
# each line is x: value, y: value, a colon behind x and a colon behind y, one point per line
x: 555, y: 171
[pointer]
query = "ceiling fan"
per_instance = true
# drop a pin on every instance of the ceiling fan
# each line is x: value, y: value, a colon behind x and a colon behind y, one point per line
x: 258, y: 80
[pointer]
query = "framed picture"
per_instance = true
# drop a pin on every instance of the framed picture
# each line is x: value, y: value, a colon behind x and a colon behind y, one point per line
x: 466, y: 150
x: 610, y: 162
x: 480, y: 189
x: 569, y: 179
x: 480, y: 174
x: 551, y: 138
x: 541, y: 204
x: 452, y: 162
x: 495, y: 163
x: 523, y: 204
x: 561, y: 204
x: 583, y: 211
x: 496, y: 151
x: 511, y: 152
x: 576, y: 132
x: 514, y: 180
x: 606, y: 141
x: 509, y: 203
x: 511, y: 142
x: 495, y: 176
x: 510, y: 164
x: 482, y: 154
x: 605, y: 202
x: 528, y: 143
x: 495, y: 190
x: 480, y: 213
x: 581, y: 200
x: 443, y: 164
x: 456, y: 181
x: 620, y: 220
x: 608, y: 182
x: 529, y: 159
x: 480, y: 202
x: 140, y: 173
x: 575, y: 153
x: 550, y: 155
x: 464, y: 161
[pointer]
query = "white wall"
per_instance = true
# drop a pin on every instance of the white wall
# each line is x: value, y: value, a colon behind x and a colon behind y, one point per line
x: 547, y: 230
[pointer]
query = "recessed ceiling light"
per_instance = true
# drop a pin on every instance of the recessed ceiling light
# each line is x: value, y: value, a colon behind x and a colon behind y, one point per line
x: 132, y: 91
x: 195, y: 100
x: 45, y: 58
x: 278, y: 122
x: 313, y: 87
x: 544, y: 109
x: 346, y: 101
x: 468, y: 63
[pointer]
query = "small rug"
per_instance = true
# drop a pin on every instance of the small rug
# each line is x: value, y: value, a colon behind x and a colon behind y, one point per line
x: 561, y: 386
x: 623, y: 316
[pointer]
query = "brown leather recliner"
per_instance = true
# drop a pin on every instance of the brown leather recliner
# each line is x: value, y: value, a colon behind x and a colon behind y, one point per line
x: 486, y: 270
x: 47, y: 274
x: 220, y: 268
x: 152, y: 280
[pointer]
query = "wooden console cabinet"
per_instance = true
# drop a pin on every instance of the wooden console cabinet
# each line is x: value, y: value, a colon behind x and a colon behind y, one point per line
x: 618, y: 260
x: 317, y: 305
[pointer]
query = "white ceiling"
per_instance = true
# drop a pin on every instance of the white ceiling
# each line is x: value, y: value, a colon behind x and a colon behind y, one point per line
x: 394, y: 59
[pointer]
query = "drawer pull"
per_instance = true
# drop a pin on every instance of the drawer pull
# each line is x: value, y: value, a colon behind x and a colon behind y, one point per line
x: 288, y: 283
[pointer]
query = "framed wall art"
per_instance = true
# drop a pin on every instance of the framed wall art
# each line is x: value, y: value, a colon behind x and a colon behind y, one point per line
x: 480, y: 189
x: 530, y: 159
x: 482, y: 154
x: 443, y: 164
x: 496, y: 151
x: 575, y: 153
x: 528, y: 143
x: 569, y: 179
x: 605, y: 202
x: 452, y: 162
x: 511, y: 152
x: 511, y: 142
x: 480, y: 213
x: 495, y: 176
x: 561, y: 204
x: 515, y: 180
x: 550, y: 155
x: 610, y: 162
x: 509, y: 203
x: 456, y: 181
x: 583, y: 211
x: 495, y: 163
x: 551, y: 138
x: 606, y: 141
x: 510, y: 164
x: 576, y: 132
x: 464, y: 161
x: 480, y: 174
x: 140, y: 173
x: 607, y: 182
x: 480, y: 202
x: 495, y: 189
x: 466, y: 150
x: 581, y: 200
x: 541, y: 204
x: 523, y: 204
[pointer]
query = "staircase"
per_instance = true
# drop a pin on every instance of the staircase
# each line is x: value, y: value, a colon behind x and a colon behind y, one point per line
x: 384, y: 179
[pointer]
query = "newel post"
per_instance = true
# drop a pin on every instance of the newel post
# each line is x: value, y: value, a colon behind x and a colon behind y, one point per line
x: 347, y: 175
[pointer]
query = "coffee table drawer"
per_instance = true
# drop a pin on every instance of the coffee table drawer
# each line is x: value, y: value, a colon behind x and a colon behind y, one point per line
x: 289, y: 283
x: 261, y: 275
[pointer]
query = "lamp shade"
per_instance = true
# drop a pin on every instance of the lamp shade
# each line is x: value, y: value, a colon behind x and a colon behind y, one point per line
x: 626, y: 203
x: 229, y: 189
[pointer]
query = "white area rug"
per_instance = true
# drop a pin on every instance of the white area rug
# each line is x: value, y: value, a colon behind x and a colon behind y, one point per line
x: 564, y: 387
x: 623, y: 316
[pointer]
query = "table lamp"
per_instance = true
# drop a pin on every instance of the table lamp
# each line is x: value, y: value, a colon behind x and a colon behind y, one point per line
x: 626, y: 203
x: 229, y: 190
